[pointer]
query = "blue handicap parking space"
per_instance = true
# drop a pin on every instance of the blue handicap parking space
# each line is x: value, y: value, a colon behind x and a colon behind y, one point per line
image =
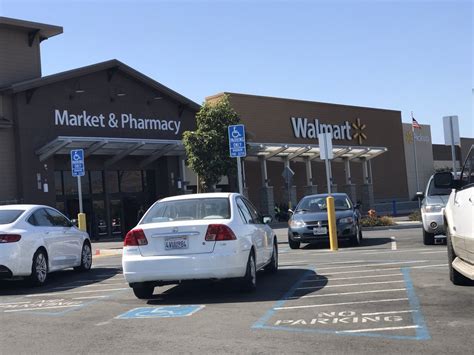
x: 161, y: 312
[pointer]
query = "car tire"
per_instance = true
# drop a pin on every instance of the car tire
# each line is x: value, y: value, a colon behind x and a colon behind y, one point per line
x: 143, y: 292
x: 273, y: 265
x: 86, y: 258
x: 456, y: 277
x: 428, y: 238
x: 39, y: 268
x: 360, y: 233
x: 293, y: 243
x: 249, y: 281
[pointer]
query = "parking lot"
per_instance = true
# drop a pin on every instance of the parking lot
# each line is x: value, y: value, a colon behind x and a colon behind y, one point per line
x: 390, y: 294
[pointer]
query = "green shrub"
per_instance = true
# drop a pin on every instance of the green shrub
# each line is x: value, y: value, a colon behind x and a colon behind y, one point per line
x: 415, y: 216
x: 377, y: 221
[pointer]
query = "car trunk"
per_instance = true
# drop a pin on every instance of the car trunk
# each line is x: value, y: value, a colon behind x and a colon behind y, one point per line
x: 176, y: 238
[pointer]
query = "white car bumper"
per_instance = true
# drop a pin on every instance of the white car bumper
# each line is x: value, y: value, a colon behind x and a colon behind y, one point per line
x: 11, y: 261
x: 137, y: 268
x: 433, y: 222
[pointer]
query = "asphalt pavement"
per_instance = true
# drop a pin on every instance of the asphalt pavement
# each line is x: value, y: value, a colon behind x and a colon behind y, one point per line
x: 391, y: 295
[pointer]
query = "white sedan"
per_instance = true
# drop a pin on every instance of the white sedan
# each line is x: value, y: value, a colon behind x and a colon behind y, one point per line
x: 35, y: 240
x: 201, y: 236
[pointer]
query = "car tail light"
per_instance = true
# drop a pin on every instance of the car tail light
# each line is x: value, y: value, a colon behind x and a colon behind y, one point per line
x: 135, y: 238
x: 9, y: 238
x: 219, y: 232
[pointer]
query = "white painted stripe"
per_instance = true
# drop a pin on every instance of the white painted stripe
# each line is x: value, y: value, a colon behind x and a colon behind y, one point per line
x: 348, y: 293
x: 356, y: 284
x: 89, y: 297
x: 425, y: 266
x: 7, y: 304
x: 389, y: 312
x: 340, y: 304
x: 378, y: 329
x: 384, y: 269
x: 394, y: 243
x: 74, y: 292
x: 434, y: 252
x: 95, y: 280
x: 97, y: 284
x: 293, y: 263
x: 378, y: 264
x: 390, y: 251
x: 40, y: 308
x: 319, y: 279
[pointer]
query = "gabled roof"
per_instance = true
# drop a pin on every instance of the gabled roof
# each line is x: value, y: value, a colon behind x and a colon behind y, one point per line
x: 113, y: 64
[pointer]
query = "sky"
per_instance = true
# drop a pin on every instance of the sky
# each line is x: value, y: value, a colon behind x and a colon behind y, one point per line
x: 402, y: 55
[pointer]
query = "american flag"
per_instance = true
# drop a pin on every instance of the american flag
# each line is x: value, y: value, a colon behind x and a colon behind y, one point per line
x: 414, y: 123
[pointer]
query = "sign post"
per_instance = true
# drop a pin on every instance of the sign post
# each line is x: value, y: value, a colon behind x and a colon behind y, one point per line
x: 451, y: 136
x: 78, y: 170
x: 237, y: 148
x: 325, y: 146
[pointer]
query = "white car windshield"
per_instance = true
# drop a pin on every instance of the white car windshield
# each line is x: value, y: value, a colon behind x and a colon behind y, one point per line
x: 437, y: 191
x: 9, y: 216
x: 188, y: 209
x: 318, y: 204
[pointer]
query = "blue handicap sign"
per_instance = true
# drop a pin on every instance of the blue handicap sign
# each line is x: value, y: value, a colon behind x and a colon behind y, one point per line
x: 237, y: 145
x: 77, y: 162
x: 161, y: 312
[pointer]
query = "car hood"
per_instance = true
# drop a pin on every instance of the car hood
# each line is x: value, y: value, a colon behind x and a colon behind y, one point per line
x: 319, y: 216
x: 436, y: 200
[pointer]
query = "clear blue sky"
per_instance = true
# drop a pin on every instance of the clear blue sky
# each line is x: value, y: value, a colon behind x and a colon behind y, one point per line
x: 404, y: 55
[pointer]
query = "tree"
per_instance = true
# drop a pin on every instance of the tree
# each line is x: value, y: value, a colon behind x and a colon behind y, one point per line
x: 207, y: 147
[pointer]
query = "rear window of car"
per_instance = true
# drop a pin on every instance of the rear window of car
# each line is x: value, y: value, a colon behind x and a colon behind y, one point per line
x: 9, y: 216
x: 188, y: 209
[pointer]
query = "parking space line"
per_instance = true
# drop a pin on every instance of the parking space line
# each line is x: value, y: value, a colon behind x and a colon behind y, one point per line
x: 348, y: 293
x: 352, y: 277
x: 356, y: 284
x: 434, y: 252
x: 377, y: 264
x: 11, y: 303
x: 378, y: 329
x: 341, y: 303
x: 52, y: 307
x: 388, y: 312
x: 97, y: 284
x: 74, y: 292
x: 394, y: 242
x: 384, y: 269
x: 89, y: 297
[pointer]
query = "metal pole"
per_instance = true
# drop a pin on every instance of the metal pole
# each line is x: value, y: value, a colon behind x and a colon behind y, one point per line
x: 453, y: 154
x: 239, y: 174
x: 328, y: 172
x: 79, y: 190
x: 416, y: 166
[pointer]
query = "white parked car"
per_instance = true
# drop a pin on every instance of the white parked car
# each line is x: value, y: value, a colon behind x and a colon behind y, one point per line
x: 35, y: 240
x: 459, y: 221
x: 201, y: 236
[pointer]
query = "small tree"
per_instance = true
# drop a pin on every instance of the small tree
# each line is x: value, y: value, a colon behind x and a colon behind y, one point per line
x: 207, y: 147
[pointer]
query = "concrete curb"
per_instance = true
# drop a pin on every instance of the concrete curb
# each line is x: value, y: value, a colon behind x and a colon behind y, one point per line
x: 397, y: 226
x: 108, y: 252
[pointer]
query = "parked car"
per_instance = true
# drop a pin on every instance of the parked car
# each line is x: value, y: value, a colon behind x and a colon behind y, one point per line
x: 200, y: 236
x: 459, y: 221
x: 432, y: 205
x: 36, y: 240
x: 309, y: 220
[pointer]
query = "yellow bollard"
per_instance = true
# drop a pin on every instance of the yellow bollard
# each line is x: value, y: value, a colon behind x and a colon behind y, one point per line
x: 81, y: 219
x: 332, y: 223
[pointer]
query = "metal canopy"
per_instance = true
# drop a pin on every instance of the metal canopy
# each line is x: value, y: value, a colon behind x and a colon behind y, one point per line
x: 300, y: 152
x: 115, y: 148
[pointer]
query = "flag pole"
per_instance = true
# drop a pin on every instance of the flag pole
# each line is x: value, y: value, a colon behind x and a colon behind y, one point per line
x: 414, y: 156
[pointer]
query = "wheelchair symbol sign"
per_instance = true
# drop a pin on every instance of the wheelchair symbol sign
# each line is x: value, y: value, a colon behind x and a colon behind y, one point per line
x: 77, y: 162
x: 237, y: 141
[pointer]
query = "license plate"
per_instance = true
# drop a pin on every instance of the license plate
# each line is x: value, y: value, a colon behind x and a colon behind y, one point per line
x: 320, y: 230
x: 176, y: 243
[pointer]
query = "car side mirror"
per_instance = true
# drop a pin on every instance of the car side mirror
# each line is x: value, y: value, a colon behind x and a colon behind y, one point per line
x: 444, y: 180
x: 420, y: 195
x: 290, y: 211
x: 357, y: 206
x: 74, y: 222
x: 267, y: 219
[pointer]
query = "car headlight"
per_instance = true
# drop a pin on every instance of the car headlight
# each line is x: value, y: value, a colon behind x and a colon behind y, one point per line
x: 296, y: 223
x: 346, y: 220
x: 433, y: 208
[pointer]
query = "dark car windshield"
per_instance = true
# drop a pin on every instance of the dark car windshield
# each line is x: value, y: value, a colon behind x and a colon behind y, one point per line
x: 318, y: 204
x: 436, y: 191
x: 9, y: 216
x: 189, y: 209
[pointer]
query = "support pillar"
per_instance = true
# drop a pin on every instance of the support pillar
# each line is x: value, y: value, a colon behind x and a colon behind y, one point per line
x: 267, y: 201
x: 367, y: 188
x: 309, y: 189
x: 349, y: 188
x: 264, y: 173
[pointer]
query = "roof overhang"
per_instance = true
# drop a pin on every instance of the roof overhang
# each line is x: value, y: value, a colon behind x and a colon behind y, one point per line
x: 302, y: 152
x: 45, y: 31
x: 115, y: 149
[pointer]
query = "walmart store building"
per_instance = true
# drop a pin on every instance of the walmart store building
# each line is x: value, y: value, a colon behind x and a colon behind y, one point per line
x: 130, y: 127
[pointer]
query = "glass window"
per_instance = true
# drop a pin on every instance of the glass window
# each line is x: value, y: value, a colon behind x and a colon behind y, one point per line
x: 9, y: 216
x: 318, y: 203
x: 244, y: 211
x: 111, y: 179
x: 40, y: 218
x: 58, y: 182
x: 97, y: 182
x: 188, y: 209
x: 57, y: 219
x: 467, y: 174
x: 70, y: 183
x: 437, y: 191
x: 131, y: 181
x: 253, y: 212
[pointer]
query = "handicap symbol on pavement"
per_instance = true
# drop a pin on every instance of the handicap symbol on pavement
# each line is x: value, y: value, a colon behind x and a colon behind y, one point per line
x: 161, y: 312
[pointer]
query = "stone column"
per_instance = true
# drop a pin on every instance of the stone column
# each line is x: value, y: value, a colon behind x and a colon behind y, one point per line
x: 309, y: 189
x: 267, y: 201
x: 349, y: 188
x: 367, y: 188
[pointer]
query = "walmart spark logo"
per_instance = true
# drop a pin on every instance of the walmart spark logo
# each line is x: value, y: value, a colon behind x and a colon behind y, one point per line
x: 358, y: 134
